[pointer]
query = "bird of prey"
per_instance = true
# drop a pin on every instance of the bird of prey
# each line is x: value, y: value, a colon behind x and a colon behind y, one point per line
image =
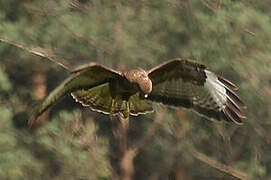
x: 177, y: 82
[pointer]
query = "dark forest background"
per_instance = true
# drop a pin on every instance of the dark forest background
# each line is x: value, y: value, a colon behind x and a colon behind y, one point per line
x: 231, y: 37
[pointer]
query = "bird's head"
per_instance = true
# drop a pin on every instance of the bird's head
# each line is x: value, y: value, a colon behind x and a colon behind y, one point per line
x: 140, y: 77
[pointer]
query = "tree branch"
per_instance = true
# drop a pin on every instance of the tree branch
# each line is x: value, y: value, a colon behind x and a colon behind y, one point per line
x: 217, y: 165
x: 127, y: 154
x: 37, y: 52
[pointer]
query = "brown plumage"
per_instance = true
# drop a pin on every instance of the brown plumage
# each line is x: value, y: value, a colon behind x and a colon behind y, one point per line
x: 178, y: 82
x: 140, y: 77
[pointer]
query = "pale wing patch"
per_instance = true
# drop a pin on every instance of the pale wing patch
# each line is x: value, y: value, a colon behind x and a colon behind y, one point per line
x: 216, y: 89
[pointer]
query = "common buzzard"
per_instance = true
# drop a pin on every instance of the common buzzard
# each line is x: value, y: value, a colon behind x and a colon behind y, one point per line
x: 178, y: 82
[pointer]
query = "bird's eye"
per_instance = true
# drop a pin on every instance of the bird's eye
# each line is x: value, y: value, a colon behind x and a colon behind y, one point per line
x: 146, y: 95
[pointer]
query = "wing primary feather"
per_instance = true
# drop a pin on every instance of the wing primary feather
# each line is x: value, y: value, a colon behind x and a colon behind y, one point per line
x: 229, y: 102
x: 224, y: 117
x: 235, y: 108
x: 226, y: 82
x: 232, y: 115
x: 233, y: 101
x: 234, y: 97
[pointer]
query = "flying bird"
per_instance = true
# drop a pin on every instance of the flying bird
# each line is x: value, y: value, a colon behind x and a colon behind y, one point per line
x: 177, y: 82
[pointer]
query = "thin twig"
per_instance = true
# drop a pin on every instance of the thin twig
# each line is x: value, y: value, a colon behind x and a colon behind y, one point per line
x: 78, y: 5
x: 250, y: 32
x: 89, y: 40
x: 217, y: 165
x: 212, y: 6
x: 38, y: 52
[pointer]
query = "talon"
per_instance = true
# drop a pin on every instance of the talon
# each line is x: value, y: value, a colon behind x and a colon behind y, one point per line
x: 127, y: 110
x: 112, y: 106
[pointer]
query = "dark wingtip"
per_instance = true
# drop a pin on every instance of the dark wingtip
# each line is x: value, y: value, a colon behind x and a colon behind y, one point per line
x: 232, y: 116
x: 234, y: 107
x: 235, y: 98
x: 227, y: 83
x: 231, y: 87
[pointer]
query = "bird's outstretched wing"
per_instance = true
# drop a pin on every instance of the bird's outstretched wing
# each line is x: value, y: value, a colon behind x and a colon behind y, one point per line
x: 87, y: 77
x: 185, y: 83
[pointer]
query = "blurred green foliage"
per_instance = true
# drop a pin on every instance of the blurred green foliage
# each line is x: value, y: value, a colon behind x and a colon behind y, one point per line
x: 233, y: 38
